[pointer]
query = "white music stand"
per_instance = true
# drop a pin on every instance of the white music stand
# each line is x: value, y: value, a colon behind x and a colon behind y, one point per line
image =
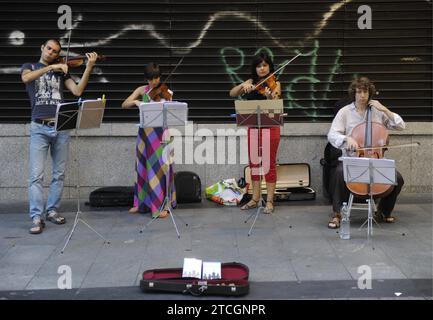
x: 88, y: 115
x: 369, y: 171
x: 259, y: 114
x: 164, y: 114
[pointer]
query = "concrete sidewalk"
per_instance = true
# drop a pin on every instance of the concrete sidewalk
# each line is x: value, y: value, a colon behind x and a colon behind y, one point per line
x: 291, y: 254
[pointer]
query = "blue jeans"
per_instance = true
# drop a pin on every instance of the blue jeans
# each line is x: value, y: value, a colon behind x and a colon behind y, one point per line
x: 42, y: 139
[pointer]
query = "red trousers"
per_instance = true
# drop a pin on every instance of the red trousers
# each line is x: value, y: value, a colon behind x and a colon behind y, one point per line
x: 262, y: 152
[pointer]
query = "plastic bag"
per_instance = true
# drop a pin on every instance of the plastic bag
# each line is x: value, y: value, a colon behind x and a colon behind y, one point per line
x: 226, y: 192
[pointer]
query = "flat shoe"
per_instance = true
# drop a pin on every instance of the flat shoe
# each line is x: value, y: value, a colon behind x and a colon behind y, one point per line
x: 133, y: 210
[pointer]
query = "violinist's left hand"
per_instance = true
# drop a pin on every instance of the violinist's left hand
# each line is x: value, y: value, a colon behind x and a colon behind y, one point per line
x: 91, y: 58
x: 271, y: 95
x: 377, y: 105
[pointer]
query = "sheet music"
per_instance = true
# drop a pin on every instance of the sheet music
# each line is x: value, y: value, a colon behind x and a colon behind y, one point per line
x: 358, y: 170
x: 92, y: 112
x: 196, y: 268
x: 177, y: 113
x: 152, y: 114
x: 191, y: 268
x: 384, y: 171
x: 211, y: 270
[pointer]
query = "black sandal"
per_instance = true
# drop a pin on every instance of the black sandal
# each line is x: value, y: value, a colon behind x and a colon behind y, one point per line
x: 56, y: 218
x: 37, y: 227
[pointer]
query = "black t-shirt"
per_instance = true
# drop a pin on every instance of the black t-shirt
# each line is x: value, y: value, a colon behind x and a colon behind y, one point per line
x: 254, y: 95
x: 45, y: 92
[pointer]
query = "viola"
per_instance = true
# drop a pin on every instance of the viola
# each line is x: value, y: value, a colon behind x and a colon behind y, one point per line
x: 371, y: 138
x: 159, y: 92
x: 76, y: 61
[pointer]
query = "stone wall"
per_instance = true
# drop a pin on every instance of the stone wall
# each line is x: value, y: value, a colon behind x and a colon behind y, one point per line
x: 105, y: 156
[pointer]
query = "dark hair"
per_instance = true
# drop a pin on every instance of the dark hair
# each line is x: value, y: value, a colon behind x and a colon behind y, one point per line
x: 256, y: 61
x: 361, y: 83
x: 152, y: 71
x: 54, y: 40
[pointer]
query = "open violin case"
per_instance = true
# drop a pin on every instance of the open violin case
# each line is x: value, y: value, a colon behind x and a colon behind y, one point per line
x: 293, y: 182
x: 233, y: 282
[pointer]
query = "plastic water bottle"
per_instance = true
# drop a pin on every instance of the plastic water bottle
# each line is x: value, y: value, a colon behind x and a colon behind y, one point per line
x: 345, y: 222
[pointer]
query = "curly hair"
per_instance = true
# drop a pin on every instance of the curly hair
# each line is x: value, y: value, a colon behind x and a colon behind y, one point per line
x: 361, y: 83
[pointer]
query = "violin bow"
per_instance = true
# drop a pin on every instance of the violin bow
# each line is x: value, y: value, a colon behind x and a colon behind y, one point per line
x: 69, y: 44
x: 170, y: 74
x: 172, y: 71
x: 281, y: 67
x: 415, y: 144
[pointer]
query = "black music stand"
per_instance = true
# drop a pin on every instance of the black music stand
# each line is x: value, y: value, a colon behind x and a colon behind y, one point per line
x: 164, y: 114
x: 259, y: 114
x: 88, y: 115
x: 369, y: 171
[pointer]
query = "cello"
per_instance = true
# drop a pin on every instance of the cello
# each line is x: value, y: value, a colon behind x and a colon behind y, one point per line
x: 372, y: 138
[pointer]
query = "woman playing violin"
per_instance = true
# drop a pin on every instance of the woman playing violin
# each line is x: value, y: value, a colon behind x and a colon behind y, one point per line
x: 150, y: 185
x: 360, y: 91
x: 257, y: 87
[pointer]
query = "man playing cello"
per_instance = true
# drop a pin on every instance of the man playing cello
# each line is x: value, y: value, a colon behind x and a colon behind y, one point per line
x: 360, y: 91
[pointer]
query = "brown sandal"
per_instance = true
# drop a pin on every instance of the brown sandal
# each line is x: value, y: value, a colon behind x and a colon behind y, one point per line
x: 267, y: 209
x: 250, y: 205
x: 389, y: 219
x: 334, y: 223
x: 161, y: 214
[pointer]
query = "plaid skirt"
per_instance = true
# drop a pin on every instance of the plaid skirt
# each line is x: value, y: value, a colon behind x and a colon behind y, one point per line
x: 154, y: 165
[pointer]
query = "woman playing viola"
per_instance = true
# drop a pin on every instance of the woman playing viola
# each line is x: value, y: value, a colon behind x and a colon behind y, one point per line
x: 150, y: 185
x: 255, y: 88
x: 339, y: 135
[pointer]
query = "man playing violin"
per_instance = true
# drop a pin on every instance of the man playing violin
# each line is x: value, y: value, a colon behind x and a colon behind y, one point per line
x: 360, y: 91
x: 45, y: 81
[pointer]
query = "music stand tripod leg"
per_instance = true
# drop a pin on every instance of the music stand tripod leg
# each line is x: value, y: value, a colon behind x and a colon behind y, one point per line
x: 70, y: 233
x: 77, y: 215
x: 261, y: 201
x: 256, y: 215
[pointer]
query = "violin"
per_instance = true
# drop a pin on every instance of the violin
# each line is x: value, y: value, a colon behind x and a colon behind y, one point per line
x: 270, y: 82
x: 76, y: 61
x: 371, y: 138
x: 159, y: 92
